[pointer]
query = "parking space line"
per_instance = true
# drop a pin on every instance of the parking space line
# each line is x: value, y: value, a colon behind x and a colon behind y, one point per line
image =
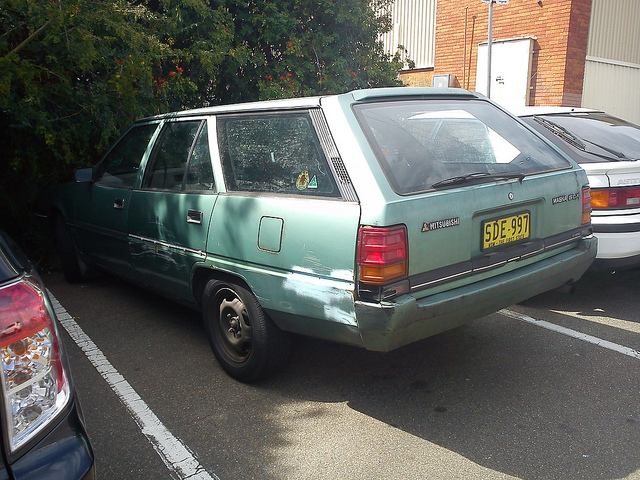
x: 572, y: 333
x: 175, y: 455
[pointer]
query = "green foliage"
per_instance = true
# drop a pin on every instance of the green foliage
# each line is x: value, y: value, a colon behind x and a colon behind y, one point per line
x: 306, y: 47
x: 75, y: 73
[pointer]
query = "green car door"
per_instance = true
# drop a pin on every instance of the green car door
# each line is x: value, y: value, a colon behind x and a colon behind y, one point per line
x: 102, y: 208
x: 169, y: 215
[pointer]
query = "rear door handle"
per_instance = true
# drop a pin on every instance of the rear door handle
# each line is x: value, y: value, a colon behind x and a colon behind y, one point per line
x: 194, y: 216
x: 118, y: 204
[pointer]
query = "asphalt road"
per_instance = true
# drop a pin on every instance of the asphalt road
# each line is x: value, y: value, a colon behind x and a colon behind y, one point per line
x: 502, y: 397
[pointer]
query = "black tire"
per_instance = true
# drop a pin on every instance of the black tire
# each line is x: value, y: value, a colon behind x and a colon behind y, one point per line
x: 245, y: 341
x: 74, y: 268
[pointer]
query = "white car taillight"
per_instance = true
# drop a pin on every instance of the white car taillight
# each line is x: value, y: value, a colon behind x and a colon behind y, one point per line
x: 34, y: 383
x: 619, y: 197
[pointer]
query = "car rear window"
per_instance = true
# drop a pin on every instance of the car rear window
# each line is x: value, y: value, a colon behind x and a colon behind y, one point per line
x: 599, y: 136
x: 421, y: 144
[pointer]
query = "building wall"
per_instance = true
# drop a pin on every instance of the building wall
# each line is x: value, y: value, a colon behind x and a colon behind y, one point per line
x: 417, y: 78
x: 612, y: 70
x: 413, y: 28
x: 560, y: 28
x: 614, y: 33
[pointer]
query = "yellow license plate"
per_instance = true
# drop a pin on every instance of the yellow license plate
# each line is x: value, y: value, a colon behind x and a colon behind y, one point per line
x: 506, y: 230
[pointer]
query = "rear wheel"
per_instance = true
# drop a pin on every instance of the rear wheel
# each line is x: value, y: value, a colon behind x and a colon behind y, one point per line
x: 74, y: 267
x: 245, y: 341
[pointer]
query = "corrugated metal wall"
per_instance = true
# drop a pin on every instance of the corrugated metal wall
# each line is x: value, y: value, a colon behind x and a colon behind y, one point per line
x: 612, y: 69
x: 414, y: 27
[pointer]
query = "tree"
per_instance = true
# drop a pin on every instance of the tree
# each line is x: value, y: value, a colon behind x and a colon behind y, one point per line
x: 75, y: 73
x: 306, y: 47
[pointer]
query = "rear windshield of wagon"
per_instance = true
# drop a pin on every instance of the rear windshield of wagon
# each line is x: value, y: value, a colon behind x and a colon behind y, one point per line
x: 431, y: 144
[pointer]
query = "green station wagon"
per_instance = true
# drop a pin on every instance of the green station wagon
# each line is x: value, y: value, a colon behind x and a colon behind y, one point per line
x: 374, y: 218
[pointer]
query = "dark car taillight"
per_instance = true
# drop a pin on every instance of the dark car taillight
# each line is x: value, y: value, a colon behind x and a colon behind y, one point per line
x: 34, y: 384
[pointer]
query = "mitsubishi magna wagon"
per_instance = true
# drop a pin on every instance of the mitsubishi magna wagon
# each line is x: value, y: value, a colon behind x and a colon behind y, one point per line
x: 374, y: 218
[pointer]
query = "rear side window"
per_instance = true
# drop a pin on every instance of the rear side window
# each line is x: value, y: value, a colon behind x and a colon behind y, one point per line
x: 180, y: 158
x: 120, y: 166
x: 422, y: 145
x: 274, y: 153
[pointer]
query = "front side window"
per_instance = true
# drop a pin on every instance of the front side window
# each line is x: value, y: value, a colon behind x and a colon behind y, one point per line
x: 274, y: 153
x: 120, y: 166
x: 430, y: 144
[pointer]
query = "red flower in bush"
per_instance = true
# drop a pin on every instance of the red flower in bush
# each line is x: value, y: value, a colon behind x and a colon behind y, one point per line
x: 178, y: 69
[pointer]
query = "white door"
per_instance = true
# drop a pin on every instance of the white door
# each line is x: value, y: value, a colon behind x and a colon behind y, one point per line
x: 510, y: 71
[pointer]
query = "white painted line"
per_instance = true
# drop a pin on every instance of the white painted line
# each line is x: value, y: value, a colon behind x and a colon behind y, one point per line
x: 176, y: 456
x: 572, y: 333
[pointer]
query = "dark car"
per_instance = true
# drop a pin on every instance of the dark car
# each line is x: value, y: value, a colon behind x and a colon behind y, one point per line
x: 43, y: 435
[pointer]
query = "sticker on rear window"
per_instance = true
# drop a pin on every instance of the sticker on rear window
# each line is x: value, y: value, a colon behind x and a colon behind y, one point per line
x: 303, y: 180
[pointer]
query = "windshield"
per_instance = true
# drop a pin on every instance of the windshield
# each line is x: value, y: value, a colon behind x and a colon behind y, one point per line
x: 428, y: 144
x: 602, y: 136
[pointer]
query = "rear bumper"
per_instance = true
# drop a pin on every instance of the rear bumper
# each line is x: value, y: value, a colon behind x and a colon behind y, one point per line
x: 386, y: 326
x: 618, y: 241
x: 64, y: 453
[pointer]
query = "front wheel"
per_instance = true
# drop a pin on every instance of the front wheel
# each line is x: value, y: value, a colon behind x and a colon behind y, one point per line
x: 245, y: 341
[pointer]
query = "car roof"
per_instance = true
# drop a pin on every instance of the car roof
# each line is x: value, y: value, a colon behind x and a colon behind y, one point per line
x: 368, y: 94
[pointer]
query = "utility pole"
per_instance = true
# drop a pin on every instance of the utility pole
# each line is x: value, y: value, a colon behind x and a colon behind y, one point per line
x: 490, y: 39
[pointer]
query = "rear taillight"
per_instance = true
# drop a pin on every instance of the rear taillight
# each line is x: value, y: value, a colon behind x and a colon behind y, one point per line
x: 586, y: 205
x: 383, y: 254
x: 616, y: 198
x: 33, y: 383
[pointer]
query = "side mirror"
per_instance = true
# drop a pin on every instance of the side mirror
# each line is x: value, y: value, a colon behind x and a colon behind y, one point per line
x: 84, y: 175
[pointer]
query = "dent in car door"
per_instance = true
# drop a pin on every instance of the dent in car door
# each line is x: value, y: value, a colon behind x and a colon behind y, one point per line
x: 170, y: 214
x: 101, y: 218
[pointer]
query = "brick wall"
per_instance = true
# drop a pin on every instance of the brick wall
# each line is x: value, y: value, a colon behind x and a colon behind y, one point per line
x: 417, y: 78
x: 560, y: 26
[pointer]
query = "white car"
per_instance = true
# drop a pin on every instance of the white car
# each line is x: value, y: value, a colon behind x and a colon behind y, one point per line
x: 608, y: 149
